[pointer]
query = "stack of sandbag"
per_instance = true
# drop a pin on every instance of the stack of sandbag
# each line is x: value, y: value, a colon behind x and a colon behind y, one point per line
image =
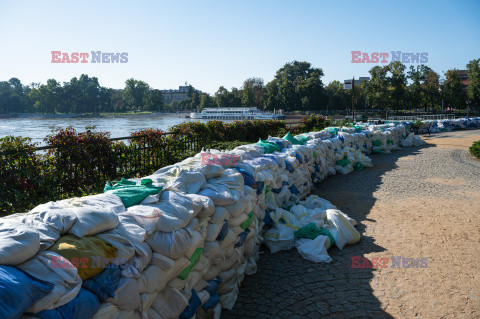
x: 178, y: 243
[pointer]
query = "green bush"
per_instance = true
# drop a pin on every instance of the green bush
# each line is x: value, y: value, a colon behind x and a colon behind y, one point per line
x: 475, y: 149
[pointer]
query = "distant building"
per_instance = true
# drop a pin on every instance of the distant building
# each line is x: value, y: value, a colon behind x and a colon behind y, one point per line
x: 347, y: 84
x: 177, y: 95
x: 463, y: 76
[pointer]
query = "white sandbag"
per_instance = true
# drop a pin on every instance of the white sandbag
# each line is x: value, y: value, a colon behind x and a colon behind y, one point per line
x: 143, y: 256
x: 18, y: 242
x: 208, y: 206
x: 176, y: 269
x: 237, y: 208
x: 220, y: 215
x: 201, y: 284
x: 228, y: 300
x: 170, y: 244
x: 237, y: 220
x: 189, y: 182
x: 122, y: 314
x: 49, y: 223
x: 107, y: 311
x: 212, y: 250
x: 212, y: 171
x: 176, y: 210
x: 130, y: 228
x: 314, y: 249
x: 170, y: 303
x: 125, y: 248
x: 162, y: 261
x: 227, y: 274
x: 147, y: 300
x: 127, y: 295
x: 146, y: 216
x: 186, y: 284
x: 105, y: 202
x: 213, y: 230
x: 196, y: 241
x: 51, y: 267
x: 279, y: 239
x: 152, y: 279
x: 212, y: 273
x: 92, y: 220
x: 229, y: 239
x: 343, y: 231
x: 227, y: 286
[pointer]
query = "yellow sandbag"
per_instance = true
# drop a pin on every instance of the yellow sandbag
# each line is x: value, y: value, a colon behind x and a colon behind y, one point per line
x: 90, y: 255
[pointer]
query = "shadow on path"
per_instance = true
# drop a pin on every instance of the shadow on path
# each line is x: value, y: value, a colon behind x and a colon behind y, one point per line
x: 288, y: 286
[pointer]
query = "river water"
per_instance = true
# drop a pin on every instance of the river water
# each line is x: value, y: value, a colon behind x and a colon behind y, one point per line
x: 38, y: 128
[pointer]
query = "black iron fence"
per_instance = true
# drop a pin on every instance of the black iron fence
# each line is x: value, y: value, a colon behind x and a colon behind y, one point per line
x: 33, y: 175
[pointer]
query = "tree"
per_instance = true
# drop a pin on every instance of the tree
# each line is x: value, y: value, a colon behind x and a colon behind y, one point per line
x: 259, y: 90
x: 135, y: 93
x: 221, y: 97
x: 377, y: 88
x: 337, y: 97
x: 248, y: 96
x: 299, y: 86
x: 206, y: 101
x: 473, y: 71
x: 454, y: 94
x: 154, y: 100
x: 430, y: 89
x: 397, y: 85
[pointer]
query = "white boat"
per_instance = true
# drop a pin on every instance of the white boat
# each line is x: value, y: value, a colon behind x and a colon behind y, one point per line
x: 236, y: 113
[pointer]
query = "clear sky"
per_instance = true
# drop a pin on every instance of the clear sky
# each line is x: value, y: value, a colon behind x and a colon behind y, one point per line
x: 212, y: 43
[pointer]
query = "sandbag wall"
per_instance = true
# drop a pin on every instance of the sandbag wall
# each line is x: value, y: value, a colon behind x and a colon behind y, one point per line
x: 183, y: 247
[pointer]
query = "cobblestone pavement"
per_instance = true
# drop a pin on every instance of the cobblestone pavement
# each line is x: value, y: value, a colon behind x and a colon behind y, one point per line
x: 287, y: 286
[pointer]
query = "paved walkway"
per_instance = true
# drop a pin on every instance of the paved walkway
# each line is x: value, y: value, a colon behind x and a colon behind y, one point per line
x: 415, y: 203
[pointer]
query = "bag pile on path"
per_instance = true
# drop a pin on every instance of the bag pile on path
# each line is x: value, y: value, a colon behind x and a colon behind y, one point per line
x: 178, y: 243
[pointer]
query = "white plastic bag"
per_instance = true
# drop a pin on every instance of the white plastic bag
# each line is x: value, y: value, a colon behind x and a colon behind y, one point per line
x: 314, y: 249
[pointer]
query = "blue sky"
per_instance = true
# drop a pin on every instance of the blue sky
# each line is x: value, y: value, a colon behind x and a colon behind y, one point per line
x: 213, y: 43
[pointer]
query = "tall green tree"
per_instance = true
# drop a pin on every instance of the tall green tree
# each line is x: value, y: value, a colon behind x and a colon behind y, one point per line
x: 298, y: 86
x: 248, y: 96
x: 154, y: 101
x: 397, y: 82
x: 454, y: 94
x: 473, y: 71
x: 135, y: 93
x: 377, y: 88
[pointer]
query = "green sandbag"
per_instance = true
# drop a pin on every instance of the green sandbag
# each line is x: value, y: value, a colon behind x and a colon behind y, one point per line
x: 377, y: 143
x: 379, y: 151
x: 289, y: 137
x: 301, y: 138
x: 247, y: 223
x: 358, y: 128
x: 132, y: 193
x: 332, y: 130
x: 311, y: 231
x: 358, y: 166
x: 343, y: 162
x: 268, y: 147
x: 193, y: 260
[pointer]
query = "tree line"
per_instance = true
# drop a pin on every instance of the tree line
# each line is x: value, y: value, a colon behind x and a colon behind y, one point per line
x: 296, y: 86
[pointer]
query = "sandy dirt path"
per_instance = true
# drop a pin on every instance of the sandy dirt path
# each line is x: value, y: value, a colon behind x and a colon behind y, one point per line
x: 419, y: 215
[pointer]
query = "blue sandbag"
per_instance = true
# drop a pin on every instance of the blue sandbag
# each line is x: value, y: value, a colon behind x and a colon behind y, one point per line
x: 299, y: 158
x: 243, y: 236
x: 19, y: 291
x: 247, y: 177
x: 105, y: 283
x: 193, y: 304
x: 294, y: 190
x: 289, y: 167
x: 212, y: 301
x: 223, y: 231
x: 85, y: 305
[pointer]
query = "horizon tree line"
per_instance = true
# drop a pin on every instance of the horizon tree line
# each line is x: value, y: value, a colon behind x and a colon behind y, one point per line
x: 297, y: 86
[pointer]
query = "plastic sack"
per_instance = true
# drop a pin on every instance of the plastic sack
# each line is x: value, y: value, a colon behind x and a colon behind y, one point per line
x: 19, y: 291
x: 314, y: 249
x: 344, y: 232
x: 18, y: 242
x: 193, y: 260
x: 90, y: 255
x: 170, y: 303
x: 132, y: 193
x: 268, y: 147
x: 127, y: 295
x: 105, y: 283
x: 311, y: 231
x: 53, y: 268
x: 289, y: 137
x: 172, y: 244
x: 85, y: 305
